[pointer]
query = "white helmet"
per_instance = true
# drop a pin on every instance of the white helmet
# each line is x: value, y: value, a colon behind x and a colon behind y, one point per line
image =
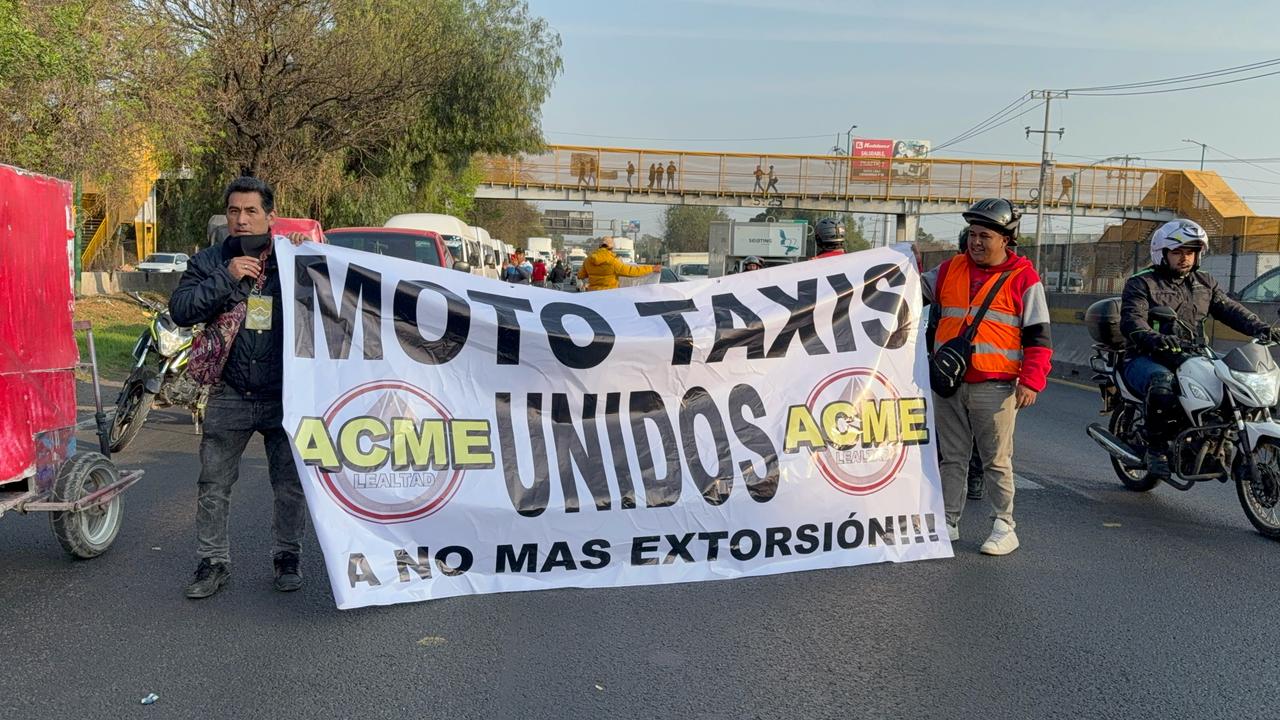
x: 1177, y: 234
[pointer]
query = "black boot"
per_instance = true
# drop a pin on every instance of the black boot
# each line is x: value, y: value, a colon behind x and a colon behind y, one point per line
x: 288, y: 576
x: 210, y: 577
x: 1161, y: 413
x: 976, y: 484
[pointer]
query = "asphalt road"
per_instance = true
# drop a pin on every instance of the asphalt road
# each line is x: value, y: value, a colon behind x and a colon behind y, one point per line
x: 1118, y: 605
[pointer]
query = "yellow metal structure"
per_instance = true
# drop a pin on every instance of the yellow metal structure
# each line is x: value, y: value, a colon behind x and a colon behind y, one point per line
x: 633, y: 176
x: 105, y: 212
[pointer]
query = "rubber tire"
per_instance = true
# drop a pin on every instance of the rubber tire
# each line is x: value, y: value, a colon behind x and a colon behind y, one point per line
x: 134, y: 387
x: 1242, y: 491
x: 68, y: 527
x: 1148, y: 481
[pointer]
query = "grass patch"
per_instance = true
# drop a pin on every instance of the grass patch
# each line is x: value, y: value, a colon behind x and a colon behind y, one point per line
x: 117, y: 323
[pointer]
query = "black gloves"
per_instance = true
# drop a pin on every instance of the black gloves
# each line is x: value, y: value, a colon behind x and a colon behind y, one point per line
x: 1158, y: 342
x: 1270, y: 335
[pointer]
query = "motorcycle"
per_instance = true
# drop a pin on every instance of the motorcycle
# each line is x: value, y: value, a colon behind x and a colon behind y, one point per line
x: 163, y: 383
x: 1226, y: 429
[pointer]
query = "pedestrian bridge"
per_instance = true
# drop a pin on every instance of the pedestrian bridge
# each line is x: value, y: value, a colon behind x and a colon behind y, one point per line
x: 906, y: 187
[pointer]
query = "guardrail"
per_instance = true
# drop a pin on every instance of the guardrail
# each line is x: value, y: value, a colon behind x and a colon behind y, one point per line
x: 831, y: 177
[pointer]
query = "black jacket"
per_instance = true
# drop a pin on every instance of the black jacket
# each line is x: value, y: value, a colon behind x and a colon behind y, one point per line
x: 255, y: 366
x: 1194, y: 297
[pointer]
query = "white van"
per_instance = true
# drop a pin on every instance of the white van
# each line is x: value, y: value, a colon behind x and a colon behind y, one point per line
x: 458, y: 236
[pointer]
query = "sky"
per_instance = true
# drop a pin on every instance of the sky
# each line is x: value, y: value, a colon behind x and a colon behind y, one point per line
x: 708, y: 74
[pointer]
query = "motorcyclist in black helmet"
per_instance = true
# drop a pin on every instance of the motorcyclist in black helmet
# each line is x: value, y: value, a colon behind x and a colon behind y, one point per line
x: 829, y: 234
x: 752, y: 263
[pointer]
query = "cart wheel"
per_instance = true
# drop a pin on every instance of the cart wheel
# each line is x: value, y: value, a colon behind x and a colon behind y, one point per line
x: 89, y: 532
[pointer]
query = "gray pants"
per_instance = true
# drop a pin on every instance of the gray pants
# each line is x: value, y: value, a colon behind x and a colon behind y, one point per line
x: 983, y: 413
x: 230, y: 422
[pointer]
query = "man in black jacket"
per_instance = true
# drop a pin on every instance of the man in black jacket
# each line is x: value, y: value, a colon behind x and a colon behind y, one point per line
x: 247, y: 398
x: 1175, y: 281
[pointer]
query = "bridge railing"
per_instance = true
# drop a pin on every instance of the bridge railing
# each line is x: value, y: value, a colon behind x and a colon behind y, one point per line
x: 828, y: 177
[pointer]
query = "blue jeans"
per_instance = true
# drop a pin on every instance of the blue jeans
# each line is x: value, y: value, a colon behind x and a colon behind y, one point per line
x: 1138, y: 372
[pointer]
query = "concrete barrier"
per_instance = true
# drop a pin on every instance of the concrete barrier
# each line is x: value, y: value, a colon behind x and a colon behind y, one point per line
x: 162, y: 283
x: 97, y: 283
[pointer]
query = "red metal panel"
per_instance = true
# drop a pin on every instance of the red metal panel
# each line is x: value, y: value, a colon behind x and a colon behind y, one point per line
x: 37, y: 347
x: 306, y: 226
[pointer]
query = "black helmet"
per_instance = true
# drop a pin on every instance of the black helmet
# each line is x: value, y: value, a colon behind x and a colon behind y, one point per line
x: 997, y: 214
x: 828, y: 231
x: 752, y: 260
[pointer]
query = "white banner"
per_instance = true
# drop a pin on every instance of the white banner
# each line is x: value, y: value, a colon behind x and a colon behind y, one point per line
x: 460, y: 435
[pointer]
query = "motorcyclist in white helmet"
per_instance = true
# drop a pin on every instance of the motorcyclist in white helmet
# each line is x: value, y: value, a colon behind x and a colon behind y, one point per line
x: 1173, y: 280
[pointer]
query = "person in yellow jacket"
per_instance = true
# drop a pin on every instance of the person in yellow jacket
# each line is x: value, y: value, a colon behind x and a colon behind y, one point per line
x: 602, y: 268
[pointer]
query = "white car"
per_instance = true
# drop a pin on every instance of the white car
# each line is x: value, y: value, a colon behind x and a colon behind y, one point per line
x: 164, y: 263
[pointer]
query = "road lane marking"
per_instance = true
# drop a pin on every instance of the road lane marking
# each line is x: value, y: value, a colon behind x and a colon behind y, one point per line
x: 1021, y: 483
x: 1078, y: 386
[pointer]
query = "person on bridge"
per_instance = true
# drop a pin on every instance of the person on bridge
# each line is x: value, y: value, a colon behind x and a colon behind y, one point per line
x: 602, y: 268
x: 653, y: 174
x: 1173, y: 280
x: 773, y: 182
x: 1007, y: 371
x: 661, y: 171
x: 828, y: 233
x: 759, y: 175
x: 1067, y: 184
x: 671, y: 175
x: 234, y: 289
x: 631, y: 173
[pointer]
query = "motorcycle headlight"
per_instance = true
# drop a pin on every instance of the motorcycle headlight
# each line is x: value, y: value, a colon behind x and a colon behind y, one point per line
x: 171, y: 341
x: 1264, y: 386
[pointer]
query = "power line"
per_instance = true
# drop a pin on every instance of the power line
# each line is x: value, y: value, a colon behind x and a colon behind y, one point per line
x: 1180, y: 78
x: 1017, y: 103
x: 1177, y: 89
x: 975, y: 132
x: 1246, y: 162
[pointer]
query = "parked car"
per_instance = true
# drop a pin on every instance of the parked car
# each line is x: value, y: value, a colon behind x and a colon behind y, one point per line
x: 164, y: 263
x: 424, y: 246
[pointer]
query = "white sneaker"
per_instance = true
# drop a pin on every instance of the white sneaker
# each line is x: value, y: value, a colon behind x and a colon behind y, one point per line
x: 1002, y: 541
x: 953, y: 531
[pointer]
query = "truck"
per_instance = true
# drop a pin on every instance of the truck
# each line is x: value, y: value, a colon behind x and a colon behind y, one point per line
x: 624, y: 248
x: 1248, y: 267
x: 689, y: 266
x: 539, y: 247
x: 775, y: 243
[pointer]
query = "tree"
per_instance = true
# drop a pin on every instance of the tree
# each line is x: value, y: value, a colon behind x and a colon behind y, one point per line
x: 511, y: 220
x: 687, y: 228
x: 94, y: 90
x: 356, y: 109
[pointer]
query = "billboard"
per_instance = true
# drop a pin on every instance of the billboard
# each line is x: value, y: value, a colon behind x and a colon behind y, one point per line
x: 771, y: 240
x: 906, y: 150
x: 863, y: 167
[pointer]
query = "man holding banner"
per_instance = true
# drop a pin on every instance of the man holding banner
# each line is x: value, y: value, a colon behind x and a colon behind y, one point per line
x: 455, y: 435
x: 1008, y: 367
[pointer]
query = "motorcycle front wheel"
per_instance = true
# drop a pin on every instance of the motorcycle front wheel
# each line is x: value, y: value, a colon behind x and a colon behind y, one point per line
x: 131, y: 413
x: 1123, y: 426
x: 1261, y: 500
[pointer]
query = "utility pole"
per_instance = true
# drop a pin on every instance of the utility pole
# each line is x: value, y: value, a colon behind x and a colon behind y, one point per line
x: 1048, y: 96
x: 1202, y: 147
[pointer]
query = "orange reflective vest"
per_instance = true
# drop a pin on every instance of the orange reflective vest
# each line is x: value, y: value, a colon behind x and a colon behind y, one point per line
x: 997, y: 348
